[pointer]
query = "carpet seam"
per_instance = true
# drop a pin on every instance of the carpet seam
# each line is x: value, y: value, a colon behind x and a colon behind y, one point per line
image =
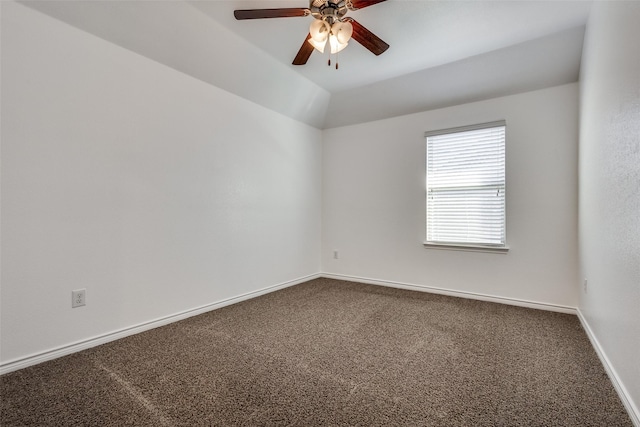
x: 137, y: 395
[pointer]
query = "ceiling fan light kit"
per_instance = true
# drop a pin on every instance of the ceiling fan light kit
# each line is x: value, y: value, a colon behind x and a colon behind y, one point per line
x: 337, y: 35
x: 329, y: 25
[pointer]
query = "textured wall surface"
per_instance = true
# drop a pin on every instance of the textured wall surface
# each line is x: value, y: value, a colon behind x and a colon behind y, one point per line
x: 156, y: 192
x: 374, y: 200
x: 610, y: 186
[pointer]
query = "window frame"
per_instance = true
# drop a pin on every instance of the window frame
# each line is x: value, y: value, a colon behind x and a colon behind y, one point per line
x: 466, y: 246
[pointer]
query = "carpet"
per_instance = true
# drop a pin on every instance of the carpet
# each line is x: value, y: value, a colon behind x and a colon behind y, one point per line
x: 330, y: 353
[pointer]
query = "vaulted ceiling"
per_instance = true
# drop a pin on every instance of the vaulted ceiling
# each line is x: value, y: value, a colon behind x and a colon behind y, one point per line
x: 441, y: 52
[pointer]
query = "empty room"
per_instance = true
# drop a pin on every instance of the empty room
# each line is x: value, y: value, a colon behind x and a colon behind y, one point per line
x: 320, y: 213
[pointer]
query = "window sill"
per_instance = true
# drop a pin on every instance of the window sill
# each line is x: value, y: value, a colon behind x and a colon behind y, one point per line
x: 470, y: 248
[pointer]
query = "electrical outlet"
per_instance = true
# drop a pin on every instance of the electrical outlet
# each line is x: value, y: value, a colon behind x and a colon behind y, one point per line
x: 336, y: 255
x: 585, y: 286
x: 78, y: 298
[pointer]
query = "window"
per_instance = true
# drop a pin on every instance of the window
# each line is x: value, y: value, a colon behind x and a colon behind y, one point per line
x: 466, y: 187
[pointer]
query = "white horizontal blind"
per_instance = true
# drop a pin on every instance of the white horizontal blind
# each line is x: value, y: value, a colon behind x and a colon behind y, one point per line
x: 466, y: 186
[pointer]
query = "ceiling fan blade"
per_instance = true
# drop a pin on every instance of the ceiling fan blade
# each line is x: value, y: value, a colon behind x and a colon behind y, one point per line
x: 367, y: 39
x: 271, y: 13
x: 359, y: 4
x: 304, y: 53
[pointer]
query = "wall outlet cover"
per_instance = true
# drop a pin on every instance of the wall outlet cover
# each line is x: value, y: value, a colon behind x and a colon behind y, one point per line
x: 78, y: 298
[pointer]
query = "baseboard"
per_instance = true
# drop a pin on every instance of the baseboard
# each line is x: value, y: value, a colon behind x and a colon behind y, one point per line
x: 16, y: 364
x: 454, y: 293
x: 628, y: 403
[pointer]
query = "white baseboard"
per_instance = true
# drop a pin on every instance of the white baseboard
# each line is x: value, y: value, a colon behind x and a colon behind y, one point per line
x: 454, y: 293
x: 628, y: 403
x: 16, y: 364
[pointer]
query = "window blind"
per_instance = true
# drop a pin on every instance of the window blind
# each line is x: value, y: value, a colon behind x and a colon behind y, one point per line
x: 466, y: 186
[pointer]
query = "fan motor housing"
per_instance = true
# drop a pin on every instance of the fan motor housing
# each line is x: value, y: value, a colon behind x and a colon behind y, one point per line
x: 328, y: 10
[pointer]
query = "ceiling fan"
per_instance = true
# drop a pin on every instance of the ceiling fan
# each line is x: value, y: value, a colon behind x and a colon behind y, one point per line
x: 330, y: 25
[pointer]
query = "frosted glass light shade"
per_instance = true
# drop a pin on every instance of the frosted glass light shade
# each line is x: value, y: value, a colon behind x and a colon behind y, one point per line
x: 318, y: 45
x: 336, y: 46
x: 342, y: 31
x: 319, y: 30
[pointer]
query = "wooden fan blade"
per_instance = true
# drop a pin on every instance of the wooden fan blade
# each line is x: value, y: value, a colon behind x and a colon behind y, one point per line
x: 359, y: 4
x: 271, y: 13
x: 304, y: 53
x: 367, y: 39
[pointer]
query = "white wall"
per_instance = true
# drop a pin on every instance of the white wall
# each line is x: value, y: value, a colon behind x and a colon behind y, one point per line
x: 374, y: 201
x: 610, y: 187
x: 199, y: 46
x: 156, y: 192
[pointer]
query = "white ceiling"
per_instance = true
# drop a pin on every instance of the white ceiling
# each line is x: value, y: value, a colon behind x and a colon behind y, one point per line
x: 441, y: 51
x: 422, y: 34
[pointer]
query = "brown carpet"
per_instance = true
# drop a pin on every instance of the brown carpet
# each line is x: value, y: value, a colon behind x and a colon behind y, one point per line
x: 328, y: 352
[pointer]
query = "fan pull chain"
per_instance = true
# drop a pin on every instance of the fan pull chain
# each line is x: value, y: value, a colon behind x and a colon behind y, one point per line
x: 329, y: 60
